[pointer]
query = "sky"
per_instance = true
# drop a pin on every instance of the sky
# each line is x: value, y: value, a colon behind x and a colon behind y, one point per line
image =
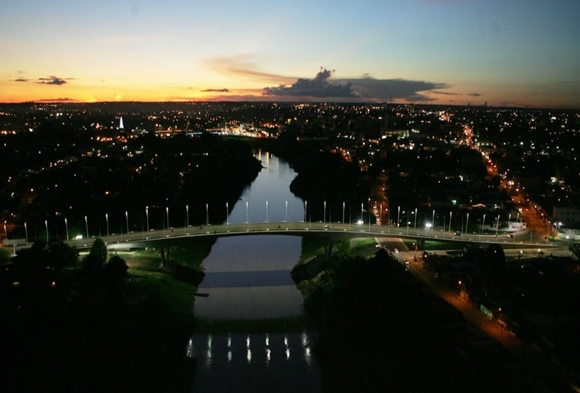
x: 523, y: 53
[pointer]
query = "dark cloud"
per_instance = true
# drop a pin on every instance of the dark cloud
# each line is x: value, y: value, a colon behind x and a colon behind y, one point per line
x: 21, y: 80
x: 215, y: 91
x: 64, y: 99
x: 445, y: 93
x: 474, y: 94
x: 317, y: 87
x: 394, y: 89
x: 52, y: 80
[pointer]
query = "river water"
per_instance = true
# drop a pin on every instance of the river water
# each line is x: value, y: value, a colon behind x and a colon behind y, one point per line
x: 248, y: 279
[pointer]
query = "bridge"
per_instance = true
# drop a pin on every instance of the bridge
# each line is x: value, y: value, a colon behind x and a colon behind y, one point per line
x: 156, y: 238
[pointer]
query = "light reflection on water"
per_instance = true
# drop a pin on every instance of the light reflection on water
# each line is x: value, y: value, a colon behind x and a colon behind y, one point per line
x: 248, y: 363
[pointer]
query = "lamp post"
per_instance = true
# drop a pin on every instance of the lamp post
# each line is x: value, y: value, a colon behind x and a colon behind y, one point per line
x: 381, y: 213
x: 467, y: 223
x: 147, y: 217
x: 415, y: 227
x: 509, y: 220
x: 46, y: 227
x: 497, y: 226
x: 87, y: 227
x: 127, y: 221
x: 450, y: 218
x: 398, y: 215
x: 361, y: 213
x: 5, y: 231
x: 167, y: 211
x: 206, y: 214
x: 388, y: 221
x: 267, y: 216
x: 482, y: 224
x: 343, y: 212
x: 433, y: 220
x: 187, y: 216
x: 107, y: 221
x: 286, y: 211
x: 227, y: 214
x: 324, y: 214
x: 247, y: 212
x: 26, y: 232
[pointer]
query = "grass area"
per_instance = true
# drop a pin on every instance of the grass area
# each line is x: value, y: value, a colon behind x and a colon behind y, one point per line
x: 431, y: 245
x: 361, y: 243
x: 250, y: 326
x: 175, y: 297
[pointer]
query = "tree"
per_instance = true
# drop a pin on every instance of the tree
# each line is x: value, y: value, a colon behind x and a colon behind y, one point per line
x: 97, y: 256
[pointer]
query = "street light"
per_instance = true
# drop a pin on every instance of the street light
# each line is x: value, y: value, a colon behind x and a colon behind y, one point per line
x: 497, y: 226
x: 127, y: 220
x: 147, y: 217
x: 467, y: 223
x: 187, y: 216
x: 46, y: 226
x: 450, y: 218
x: 107, y: 221
x: 247, y: 212
x: 167, y: 211
x: 343, y: 212
x: 324, y: 214
x: 398, y: 215
x: 206, y: 214
x: 267, y: 212
x: 26, y: 232
x: 286, y: 211
x: 227, y: 214
x: 415, y: 227
x: 87, y: 226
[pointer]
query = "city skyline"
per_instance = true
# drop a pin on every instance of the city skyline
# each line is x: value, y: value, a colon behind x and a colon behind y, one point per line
x: 424, y: 51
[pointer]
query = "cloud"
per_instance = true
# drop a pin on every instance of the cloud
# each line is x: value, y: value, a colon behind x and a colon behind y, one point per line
x: 474, y: 94
x: 215, y: 91
x: 317, y: 87
x: 21, y: 80
x: 394, y: 89
x: 52, y: 80
x: 242, y: 66
x: 445, y: 93
x: 64, y: 99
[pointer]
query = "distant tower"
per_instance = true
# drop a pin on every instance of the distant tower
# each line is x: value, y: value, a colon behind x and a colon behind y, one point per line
x: 121, y: 127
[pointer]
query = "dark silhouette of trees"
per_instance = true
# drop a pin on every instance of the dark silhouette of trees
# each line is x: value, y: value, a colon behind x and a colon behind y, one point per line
x: 376, y: 330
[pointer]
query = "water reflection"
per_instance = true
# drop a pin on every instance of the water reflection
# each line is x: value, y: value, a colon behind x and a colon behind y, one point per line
x: 248, y: 278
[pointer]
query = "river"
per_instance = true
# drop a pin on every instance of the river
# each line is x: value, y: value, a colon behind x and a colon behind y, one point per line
x: 248, y: 280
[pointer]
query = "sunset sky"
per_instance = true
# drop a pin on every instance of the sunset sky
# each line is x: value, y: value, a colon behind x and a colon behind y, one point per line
x: 499, y: 52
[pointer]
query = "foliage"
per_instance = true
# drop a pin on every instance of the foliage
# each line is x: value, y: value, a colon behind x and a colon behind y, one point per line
x: 97, y: 256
